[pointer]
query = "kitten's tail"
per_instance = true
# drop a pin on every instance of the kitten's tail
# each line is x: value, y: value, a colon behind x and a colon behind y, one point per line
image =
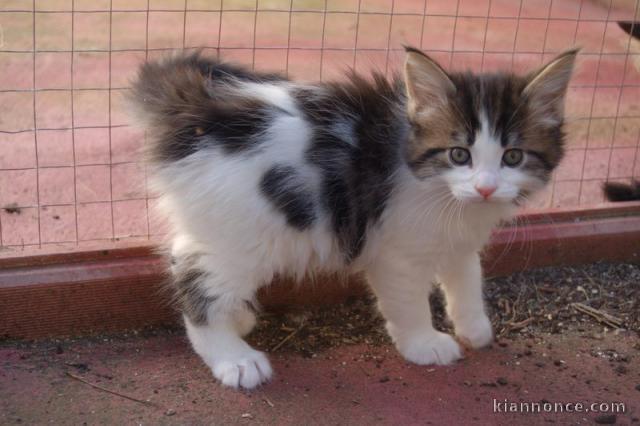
x: 621, y: 191
x: 167, y: 86
x: 170, y: 98
x: 182, y: 98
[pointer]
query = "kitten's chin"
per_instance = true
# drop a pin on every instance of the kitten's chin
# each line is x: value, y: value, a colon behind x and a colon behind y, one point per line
x: 501, y: 209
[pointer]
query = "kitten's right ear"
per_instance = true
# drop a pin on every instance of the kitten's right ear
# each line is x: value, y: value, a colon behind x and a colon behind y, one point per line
x: 547, y: 87
x: 428, y: 85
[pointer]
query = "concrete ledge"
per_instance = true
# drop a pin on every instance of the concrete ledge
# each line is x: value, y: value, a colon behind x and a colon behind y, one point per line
x: 108, y: 290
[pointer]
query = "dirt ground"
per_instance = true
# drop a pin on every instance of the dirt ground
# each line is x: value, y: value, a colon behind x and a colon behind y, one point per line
x: 564, y: 335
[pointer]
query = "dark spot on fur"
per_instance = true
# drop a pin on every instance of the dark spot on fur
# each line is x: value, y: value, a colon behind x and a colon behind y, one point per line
x: 358, y: 130
x: 285, y: 189
x: 235, y: 128
x: 189, y: 293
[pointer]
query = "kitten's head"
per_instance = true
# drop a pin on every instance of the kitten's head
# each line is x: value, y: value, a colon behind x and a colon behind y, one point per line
x: 491, y: 137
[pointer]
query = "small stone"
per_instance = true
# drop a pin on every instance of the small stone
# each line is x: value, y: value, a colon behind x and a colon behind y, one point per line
x: 502, y: 381
x: 384, y: 379
x: 638, y: 387
x: 606, y: 419
x: 170, y: 412
x: 246, y: 416
x: 468, y: 383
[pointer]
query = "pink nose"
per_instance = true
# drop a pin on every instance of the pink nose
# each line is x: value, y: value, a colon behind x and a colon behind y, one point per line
x: 486, y: 191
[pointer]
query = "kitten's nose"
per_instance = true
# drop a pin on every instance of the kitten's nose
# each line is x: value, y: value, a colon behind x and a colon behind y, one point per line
x: 486, y: 191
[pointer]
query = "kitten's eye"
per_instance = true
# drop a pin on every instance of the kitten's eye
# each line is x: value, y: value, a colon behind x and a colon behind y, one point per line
x: 512, y: 157
x: 459, y: 156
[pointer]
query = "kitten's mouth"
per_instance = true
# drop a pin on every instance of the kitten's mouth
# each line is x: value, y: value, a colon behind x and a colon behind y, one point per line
x: 480, y: 201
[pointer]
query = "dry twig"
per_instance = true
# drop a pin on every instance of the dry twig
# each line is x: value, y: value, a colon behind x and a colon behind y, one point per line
x: 598, y: 315
x: 93, y: 385
x: 286, y: 339
x: 518, y: 325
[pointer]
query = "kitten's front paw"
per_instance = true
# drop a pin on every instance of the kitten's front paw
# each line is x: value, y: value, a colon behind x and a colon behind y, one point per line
x: 437, y: 348
x: 477, y: 334
x: 247, y: 371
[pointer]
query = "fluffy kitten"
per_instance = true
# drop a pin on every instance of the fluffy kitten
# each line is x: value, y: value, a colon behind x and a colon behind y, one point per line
x: 260, y: 176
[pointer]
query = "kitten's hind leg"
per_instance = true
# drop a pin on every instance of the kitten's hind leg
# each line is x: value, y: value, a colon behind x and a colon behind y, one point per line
x: 462, y: 284
x: 217, y: 312
x: 402, y: 289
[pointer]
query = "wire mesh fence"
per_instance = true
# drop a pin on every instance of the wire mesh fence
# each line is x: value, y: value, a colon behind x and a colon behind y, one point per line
x: 70, y: 173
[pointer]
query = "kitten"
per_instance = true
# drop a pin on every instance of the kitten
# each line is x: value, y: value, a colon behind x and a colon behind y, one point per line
x: 404, y: 180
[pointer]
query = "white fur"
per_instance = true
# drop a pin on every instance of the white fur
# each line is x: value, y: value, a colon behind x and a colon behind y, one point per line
x: 230, y: 358
x: 215, y: 207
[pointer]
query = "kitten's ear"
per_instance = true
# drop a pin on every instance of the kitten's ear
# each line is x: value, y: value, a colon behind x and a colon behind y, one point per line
x: 428, y: 85
x: 547, y: 87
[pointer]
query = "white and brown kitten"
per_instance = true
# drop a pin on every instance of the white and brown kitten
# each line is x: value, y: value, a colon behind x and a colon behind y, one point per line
x: 260, y: 176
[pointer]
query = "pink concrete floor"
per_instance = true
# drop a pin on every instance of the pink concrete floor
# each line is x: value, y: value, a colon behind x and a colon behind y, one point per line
x: 69, y: 161
x: 355, y: 385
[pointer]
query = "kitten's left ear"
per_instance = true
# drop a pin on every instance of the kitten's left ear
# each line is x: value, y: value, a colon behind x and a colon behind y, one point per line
x: 547, y: 87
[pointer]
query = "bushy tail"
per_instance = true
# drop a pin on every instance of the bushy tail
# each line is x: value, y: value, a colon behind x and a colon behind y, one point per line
x: 621, y: 191
x: 180, y: 99
x: 169, y: 99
